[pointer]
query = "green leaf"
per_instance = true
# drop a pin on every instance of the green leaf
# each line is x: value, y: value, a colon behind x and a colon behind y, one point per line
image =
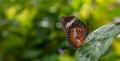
x: 98, y: 42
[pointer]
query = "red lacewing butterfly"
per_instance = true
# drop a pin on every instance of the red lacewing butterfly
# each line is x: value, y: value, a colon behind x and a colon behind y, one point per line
x: 76, y: 31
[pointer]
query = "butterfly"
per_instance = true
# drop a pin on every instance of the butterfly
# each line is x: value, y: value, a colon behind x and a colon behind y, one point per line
x: 76, y: 31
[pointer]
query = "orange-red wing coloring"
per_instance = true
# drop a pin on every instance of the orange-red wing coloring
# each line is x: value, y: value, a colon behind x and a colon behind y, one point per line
x: 76, y: 31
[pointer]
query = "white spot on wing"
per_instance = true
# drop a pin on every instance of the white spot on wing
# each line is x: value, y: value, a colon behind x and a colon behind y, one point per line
x: 75, y: 35
x: 77, y: 40
x: 70, y: 23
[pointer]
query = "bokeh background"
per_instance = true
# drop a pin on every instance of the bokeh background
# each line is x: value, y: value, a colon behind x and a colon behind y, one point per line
x: 30, y: 30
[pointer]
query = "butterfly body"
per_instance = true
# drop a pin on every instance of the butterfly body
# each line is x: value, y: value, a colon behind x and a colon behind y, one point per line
x: 75, y: 30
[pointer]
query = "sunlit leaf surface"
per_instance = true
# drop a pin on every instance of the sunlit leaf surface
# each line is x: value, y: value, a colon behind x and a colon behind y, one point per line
x: 98, y: 42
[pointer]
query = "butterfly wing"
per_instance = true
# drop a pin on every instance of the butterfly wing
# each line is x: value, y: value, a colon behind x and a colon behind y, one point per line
x: 76, y: 31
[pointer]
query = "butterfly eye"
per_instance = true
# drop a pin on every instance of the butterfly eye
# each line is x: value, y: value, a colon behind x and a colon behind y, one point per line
x: 76, y: 31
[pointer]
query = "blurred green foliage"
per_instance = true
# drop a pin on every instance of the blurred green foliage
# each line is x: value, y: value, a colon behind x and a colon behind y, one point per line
x: 30, y: 30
